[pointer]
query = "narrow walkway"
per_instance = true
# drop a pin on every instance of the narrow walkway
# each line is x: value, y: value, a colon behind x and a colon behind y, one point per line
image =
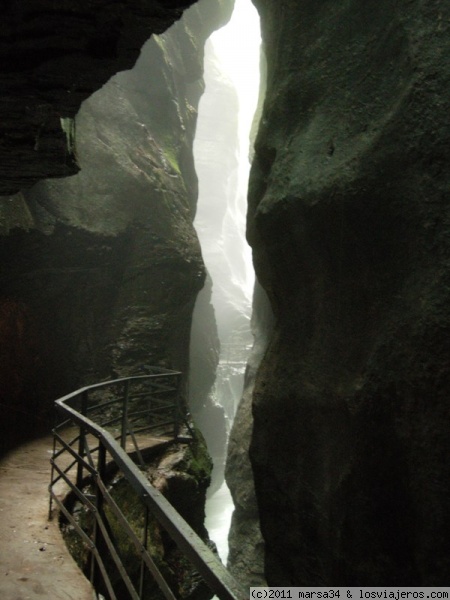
x: 34, y: 560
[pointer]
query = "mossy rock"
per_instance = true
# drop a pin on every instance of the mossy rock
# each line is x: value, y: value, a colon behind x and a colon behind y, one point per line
x: 182, y: 473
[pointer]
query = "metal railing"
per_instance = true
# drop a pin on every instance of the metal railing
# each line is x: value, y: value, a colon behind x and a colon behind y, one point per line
x: 101, y: 429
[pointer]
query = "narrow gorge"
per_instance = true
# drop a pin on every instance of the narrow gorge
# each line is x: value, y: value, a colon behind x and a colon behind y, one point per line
x: 338, y: 459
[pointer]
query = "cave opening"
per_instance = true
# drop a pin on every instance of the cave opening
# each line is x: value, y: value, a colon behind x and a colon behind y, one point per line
x: 222, y: 148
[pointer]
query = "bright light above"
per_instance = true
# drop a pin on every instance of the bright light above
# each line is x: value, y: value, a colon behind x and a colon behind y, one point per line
x: 232, y: 57
x: 237, y: 46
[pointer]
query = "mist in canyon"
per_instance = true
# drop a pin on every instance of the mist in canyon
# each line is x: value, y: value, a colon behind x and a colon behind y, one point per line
x: 221, y: 153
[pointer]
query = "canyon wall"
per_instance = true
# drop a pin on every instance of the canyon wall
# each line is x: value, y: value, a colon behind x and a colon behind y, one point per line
x: 246, y: 545
x: 349, y: 223
x: 100, y: 270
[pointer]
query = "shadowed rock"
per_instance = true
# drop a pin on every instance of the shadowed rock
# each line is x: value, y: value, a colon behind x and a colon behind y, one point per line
x: 349, y: 225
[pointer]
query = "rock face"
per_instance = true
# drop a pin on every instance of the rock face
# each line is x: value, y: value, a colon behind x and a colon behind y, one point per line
x: 349, y: 224
x: 100, y: 271
x: 52, y: 57
x: 246, y: 546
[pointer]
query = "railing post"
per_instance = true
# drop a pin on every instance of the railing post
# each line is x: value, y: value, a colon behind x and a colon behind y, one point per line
x: 97, y: 538
x: 84, y: 403
x: 177, y: 409
x: 50, y: 504
x: 123, y: 433
x: 105, y: 559
x: 145, y: 544
x: 82, y: 440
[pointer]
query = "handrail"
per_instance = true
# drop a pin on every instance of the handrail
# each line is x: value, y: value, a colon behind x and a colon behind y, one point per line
x: 92, y: 452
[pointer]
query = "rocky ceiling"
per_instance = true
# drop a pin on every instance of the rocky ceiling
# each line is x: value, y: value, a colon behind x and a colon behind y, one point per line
x: 52, y: 57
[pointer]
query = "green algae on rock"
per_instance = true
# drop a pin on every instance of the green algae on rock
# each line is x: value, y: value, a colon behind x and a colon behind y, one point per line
x: 181, y: 472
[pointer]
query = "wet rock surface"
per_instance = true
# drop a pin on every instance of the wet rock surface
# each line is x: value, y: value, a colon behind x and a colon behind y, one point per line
x: 348, y: 220
x: 246, y: 545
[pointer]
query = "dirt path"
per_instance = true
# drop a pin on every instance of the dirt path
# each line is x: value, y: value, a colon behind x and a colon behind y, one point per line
x: 34, y: 561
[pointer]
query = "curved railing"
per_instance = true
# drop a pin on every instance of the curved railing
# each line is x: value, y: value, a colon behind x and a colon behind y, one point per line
x: 101, y: 429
